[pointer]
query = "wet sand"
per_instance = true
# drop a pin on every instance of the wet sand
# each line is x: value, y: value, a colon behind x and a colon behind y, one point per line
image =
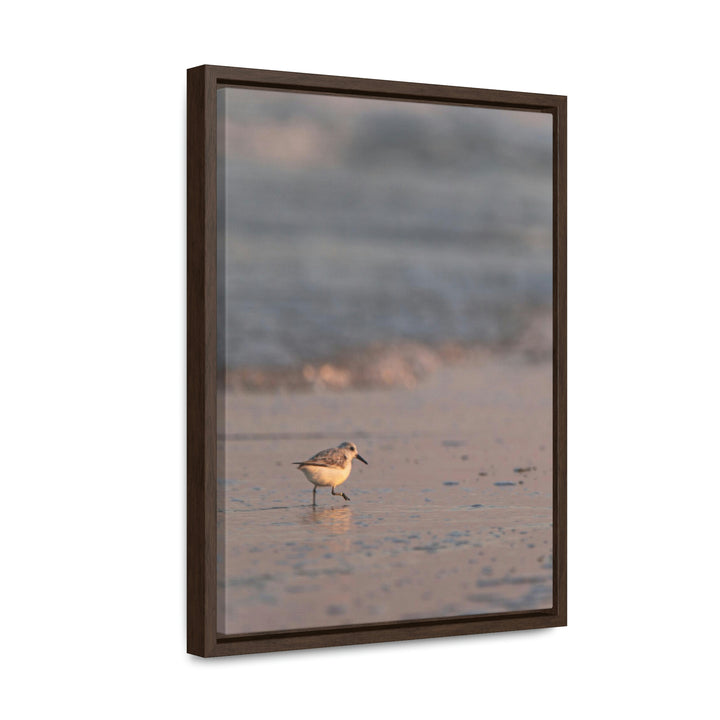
x: 452, y: 516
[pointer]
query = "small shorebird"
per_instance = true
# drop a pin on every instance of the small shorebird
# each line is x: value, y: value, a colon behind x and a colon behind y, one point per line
x: 330, y: 467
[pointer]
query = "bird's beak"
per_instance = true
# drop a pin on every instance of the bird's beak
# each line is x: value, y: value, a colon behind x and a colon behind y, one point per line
x: 361, y: 459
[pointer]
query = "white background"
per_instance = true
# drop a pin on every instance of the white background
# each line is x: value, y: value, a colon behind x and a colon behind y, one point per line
x: 92, y: 295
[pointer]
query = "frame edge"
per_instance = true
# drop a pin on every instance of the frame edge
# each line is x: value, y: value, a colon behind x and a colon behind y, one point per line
x: 201, y: 363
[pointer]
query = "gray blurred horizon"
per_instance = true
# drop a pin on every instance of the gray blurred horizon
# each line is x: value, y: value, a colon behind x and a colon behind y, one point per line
x: 347, y: 222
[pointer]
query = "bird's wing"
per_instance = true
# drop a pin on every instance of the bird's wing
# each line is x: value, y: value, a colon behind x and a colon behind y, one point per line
x: 333, y: 457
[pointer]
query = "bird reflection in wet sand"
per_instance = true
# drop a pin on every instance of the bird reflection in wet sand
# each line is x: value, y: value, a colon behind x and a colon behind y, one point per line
x: 331, y: 467
x: 329, y: 520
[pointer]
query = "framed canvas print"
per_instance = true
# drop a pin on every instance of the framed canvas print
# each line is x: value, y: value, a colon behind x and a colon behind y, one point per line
x: 376, y: 360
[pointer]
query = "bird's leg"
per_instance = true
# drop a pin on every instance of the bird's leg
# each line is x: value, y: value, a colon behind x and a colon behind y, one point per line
x: 340, y: 493
x: 314, y: 491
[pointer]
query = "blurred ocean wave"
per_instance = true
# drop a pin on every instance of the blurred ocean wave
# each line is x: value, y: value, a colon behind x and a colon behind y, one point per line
x: 349, y: 227
x: 394, y: 364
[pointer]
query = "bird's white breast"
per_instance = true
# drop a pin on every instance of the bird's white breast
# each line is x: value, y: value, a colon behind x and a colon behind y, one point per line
x: 326, y: 476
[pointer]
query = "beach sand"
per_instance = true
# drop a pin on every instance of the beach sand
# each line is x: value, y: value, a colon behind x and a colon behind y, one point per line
x: 452, y: 516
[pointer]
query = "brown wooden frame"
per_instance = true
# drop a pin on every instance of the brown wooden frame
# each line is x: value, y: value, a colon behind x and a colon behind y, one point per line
x: 202, y: 637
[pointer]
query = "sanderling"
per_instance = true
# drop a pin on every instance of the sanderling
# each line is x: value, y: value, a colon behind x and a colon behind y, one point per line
x: 330, y: 467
